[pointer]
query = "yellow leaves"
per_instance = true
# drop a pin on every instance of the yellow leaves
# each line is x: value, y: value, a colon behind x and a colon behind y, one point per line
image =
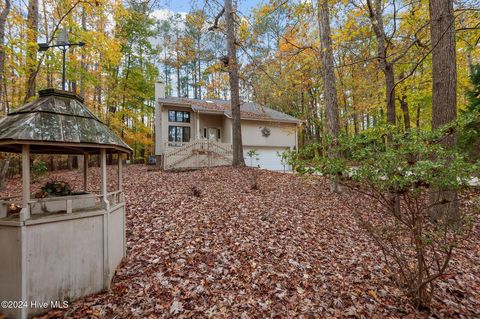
x: 265, y: 10
x: 137, y: 138
x: 196, y: 19
x: 217, y: 67
x: 120, y: 11
x: 372, y: 293
x: 243, y: 30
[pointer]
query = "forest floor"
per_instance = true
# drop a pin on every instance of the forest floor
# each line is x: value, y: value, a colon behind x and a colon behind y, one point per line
x: 205, y: 244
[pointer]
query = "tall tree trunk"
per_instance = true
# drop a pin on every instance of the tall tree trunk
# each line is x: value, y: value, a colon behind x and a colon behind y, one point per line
x: 356, y: 126
x: 31, y: 51
x: 417, y: 122
x: 376, y: 18
x: 83, y: 64
x: 238, y: 159
x: 177, y: 64
x: 3, y: 20
x: 405, y: 111
x: 199, y: 69
x: 444, y: 99
x: 329, y: 82
x: 328, y: 73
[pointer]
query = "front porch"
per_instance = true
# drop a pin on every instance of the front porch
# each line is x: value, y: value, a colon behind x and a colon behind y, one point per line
x: 197, y: 153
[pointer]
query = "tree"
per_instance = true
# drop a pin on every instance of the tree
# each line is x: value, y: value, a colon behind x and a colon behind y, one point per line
x: 237, y: 145
x: 328, y: 74
x: 3, y: 20
x: 376, y: 16
x: 31, y: 55
x: 444, y: 89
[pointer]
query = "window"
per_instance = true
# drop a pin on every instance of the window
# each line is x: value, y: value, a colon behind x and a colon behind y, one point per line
x: 179, y: 134
x: 179, y: 116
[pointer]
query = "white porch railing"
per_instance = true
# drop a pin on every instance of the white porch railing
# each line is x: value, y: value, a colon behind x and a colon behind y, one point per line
x: 197, y: 153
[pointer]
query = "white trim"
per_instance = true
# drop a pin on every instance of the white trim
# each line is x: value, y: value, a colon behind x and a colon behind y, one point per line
x: 212, y: 112
x: 158, y: 128
x: 85, y: 172
x: 25, y: 212
x: 106, y: 217
x: 63, y: 217
x: 296, y: 122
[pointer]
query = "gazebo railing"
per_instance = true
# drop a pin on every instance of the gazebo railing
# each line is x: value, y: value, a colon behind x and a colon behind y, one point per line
x: 115, y: 197
x: 67, y: 204
x: 5, y: 202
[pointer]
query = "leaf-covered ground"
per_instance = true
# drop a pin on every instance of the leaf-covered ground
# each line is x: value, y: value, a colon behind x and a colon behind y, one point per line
x: 205, y: 244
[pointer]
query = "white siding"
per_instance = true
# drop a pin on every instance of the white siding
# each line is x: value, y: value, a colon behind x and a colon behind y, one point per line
x: 281, y: 134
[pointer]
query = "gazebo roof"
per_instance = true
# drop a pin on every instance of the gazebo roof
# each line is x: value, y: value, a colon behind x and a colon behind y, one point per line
x: 57, y: 122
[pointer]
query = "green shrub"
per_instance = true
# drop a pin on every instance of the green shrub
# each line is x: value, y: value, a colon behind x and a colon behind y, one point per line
x: 39, y: 168
x: 469, y: 136
x: 252, y: 154
x: 396, y: 188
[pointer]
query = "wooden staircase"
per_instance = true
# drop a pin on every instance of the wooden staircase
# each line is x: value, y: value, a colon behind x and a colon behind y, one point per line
x: 198, y: 153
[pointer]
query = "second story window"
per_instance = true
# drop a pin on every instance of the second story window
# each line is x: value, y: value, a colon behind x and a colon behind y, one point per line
x: 179, y: 116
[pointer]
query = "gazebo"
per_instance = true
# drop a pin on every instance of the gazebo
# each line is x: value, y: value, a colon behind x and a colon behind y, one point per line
x: 59, y: 248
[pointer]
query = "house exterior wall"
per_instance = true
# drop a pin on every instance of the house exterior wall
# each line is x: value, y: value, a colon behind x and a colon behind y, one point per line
x: 198, y: 121
x: 210, y: 120
x: 165, y: 123
x: 281, y: 134
x: 227, y: 130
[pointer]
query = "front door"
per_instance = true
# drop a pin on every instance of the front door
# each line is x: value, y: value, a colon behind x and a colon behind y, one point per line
x: 213, y: 133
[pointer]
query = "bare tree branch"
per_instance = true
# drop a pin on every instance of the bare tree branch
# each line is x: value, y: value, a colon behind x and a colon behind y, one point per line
x: 217, y: 18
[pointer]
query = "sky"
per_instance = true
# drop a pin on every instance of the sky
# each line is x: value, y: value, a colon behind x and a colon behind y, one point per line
x: 179, y: 6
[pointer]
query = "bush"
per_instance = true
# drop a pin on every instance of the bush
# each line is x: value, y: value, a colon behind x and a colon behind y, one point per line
x: 253, y: 155
x: 39, y: 168
x: 469, y: 137
x: 57, y: 188
x: 395, y: 186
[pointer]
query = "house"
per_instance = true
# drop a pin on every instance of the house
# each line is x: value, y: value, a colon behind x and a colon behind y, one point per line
x: 192, y: 133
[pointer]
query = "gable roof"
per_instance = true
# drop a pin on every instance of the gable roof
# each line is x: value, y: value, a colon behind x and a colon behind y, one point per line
x: 248, y: 110
x: 57, y: 122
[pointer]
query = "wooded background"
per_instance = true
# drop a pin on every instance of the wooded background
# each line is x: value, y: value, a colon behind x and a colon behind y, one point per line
x: 381, y: 56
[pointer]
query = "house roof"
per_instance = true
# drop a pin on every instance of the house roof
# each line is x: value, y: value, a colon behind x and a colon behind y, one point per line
x: 248, y: 110
x: 57, y: 122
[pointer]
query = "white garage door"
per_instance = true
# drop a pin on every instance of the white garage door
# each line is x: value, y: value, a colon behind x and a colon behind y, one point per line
x: 267, y: 158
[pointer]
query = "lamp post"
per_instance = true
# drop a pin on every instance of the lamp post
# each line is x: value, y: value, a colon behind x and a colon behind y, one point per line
x: 62, y: 43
